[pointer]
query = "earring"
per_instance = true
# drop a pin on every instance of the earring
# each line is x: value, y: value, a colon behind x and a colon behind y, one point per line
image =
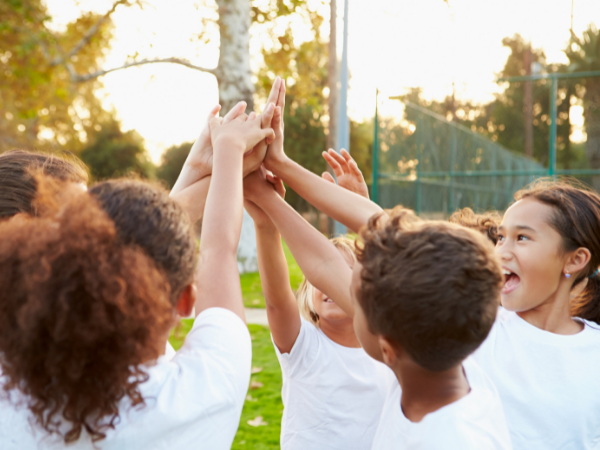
x: 567, y: 275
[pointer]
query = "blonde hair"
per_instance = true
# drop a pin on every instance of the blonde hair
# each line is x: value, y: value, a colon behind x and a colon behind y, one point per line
x: 306, y: 291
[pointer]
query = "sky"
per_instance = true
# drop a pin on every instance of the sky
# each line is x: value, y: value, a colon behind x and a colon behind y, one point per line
x: 393, y: 45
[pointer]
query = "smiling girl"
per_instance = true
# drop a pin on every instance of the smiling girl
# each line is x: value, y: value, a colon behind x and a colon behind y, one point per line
x: 543, y: 353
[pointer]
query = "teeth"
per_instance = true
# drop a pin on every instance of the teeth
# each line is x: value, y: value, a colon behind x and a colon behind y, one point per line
x: 506, y: 272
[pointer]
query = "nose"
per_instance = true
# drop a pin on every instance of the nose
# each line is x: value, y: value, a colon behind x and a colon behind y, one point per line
x: 505, y: 250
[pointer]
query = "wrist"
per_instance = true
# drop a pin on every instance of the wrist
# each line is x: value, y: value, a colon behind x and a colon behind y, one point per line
x: 227, y: 142
x: 277, y: 163
x: 264, y: 225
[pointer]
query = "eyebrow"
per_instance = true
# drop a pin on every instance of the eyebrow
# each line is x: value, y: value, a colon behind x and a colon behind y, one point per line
x: 518, y: 227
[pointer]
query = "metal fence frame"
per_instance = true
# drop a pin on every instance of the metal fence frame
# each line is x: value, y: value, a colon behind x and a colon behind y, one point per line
x: 447, y: 179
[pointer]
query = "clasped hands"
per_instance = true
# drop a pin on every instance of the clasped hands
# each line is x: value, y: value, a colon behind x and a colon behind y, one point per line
x: 266, y: 154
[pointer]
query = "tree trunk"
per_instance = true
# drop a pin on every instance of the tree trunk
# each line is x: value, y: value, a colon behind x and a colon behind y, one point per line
x: 591, y: 104
x: 233, y: 71
x: 332, y: 83
x: 235, y: 84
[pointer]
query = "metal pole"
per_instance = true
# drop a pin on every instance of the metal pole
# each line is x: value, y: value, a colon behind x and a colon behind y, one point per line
x: 418, y: 181
x: 343, y: 123
x: 553, y: 99
x: 375, y: 174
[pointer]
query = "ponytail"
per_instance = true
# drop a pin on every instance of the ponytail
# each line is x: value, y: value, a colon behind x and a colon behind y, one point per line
x: 577, y: 220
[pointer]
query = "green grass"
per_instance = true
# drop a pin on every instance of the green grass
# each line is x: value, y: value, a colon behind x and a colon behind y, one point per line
x: 252, y: 289
x: 263, y: 401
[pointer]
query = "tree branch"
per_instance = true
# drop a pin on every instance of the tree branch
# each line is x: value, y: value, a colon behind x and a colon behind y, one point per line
x: 76, y: 78
x: 91, y: 32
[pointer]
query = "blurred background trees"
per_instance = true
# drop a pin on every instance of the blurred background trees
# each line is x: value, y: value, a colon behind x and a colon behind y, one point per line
x: 49, y: 80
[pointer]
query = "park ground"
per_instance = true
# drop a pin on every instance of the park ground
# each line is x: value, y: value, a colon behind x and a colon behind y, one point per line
x: 260, y: 424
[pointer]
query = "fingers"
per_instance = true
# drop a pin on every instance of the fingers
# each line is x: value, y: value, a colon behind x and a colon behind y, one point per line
x: 355, y: 170
x: 327, y: 177
x: 252, y: 116
x: 337, y: 169
x: 268, y: 133
x: 235, y: 112
x: 277, y: 184
x: 340, y: 160
x: 275, y: 89
x: 267, y: 116
x: 281, y: 98
x: 213, y: 112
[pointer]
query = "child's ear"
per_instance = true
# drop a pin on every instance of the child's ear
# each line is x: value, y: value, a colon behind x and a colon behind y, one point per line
x: 187, y: 300
x: 388, y: 350
x: 578, y: 260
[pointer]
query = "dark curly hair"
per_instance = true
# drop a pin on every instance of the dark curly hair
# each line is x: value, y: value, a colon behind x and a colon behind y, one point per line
x: 17, y: 183
x: 431, y: 287
x: 79, y: 313
x: 486, y: 223
x: 146, y: 216
x: 577, y: 219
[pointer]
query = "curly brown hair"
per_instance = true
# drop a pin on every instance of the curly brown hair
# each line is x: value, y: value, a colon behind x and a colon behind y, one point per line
x: 486, y: 223
x: 432, y: 287
x: 79, y: 313
x: 17, y: 182
x: 146, y: 216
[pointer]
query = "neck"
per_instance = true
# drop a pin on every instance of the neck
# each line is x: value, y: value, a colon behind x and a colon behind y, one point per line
x: 340, y: 331
x: 425, y: 391
x: 554, y: 314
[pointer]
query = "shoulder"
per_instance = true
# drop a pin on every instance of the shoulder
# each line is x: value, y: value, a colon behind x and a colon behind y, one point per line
x: 305, y: 352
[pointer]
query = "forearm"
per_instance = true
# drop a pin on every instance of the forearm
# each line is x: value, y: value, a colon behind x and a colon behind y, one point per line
x: 223, y: 205
x: 193, y: 198
x: 272, y: 266
x: 321, y: 263
x: 188, y: 176
x: 348, y: 208
x: 217, y: 273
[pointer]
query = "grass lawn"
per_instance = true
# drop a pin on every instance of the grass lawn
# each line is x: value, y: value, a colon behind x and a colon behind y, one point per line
x: 252, y: 289
x: 263, y: 407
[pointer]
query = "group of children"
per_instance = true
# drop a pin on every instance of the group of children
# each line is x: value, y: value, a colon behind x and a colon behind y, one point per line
x: 477, y: 333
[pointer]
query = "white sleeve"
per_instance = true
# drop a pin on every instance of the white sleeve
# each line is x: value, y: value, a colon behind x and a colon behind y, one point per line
x: 169, y: 352
x: 306, y: 350
x: 219, y: 345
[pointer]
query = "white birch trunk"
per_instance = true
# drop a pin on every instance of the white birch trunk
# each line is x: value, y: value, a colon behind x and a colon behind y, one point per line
x: 235, y: 84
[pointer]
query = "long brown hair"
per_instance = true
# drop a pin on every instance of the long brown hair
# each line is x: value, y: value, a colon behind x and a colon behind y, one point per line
x: 577, y: 220
x: 79, y: 313
x: 17, y: 183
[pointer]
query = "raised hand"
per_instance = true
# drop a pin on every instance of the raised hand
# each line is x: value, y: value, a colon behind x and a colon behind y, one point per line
x: 275, y: 153
x: 259, y: 183
x: 347, y: 172
x: 241, y: 133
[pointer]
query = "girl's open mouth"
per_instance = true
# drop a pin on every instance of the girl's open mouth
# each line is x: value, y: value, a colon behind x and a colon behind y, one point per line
x: 328, y: 300
x: 511, y: 281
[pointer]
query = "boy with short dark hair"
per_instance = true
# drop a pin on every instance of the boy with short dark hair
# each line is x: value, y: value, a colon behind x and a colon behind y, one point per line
x: 423, y: 296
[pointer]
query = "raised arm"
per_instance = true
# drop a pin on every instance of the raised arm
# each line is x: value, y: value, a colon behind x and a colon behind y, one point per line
x: 217, y: 274
x: 282, y: 309
x: 346, y: 207
x: 322, y: 264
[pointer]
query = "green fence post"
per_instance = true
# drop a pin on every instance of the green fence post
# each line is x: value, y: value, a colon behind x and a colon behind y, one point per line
x: 453, y: 150
x: 553, y: 99
x: 375, y: 174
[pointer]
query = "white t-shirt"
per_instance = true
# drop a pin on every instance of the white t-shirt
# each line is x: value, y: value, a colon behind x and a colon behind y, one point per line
x: 332, y: 395
x: 193, y: 401
x: 475, y: 422
x: 549, y: 383
x: 169, y: 352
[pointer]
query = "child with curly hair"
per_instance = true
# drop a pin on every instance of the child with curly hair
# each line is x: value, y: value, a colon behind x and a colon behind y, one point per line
x: 84, y: 317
